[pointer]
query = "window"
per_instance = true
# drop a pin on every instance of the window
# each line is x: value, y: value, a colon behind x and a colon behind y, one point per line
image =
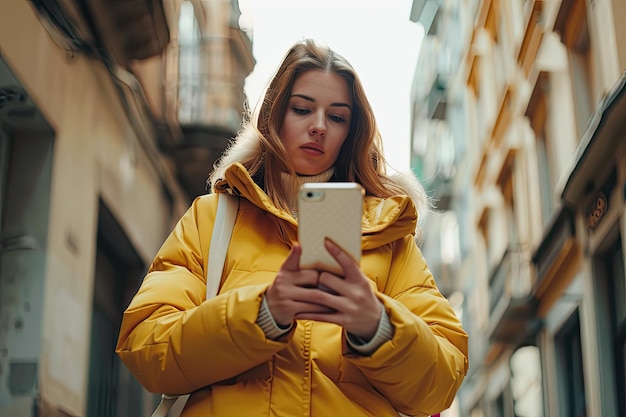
x: 190, y: 64
x: 506, y: 183
x: 477, y: 309
x: 504, y: 63
x: 615, y: 262
x: 499, y: 406
x: 487, y: 100
x: 492, y: 224
x: 546, y: 184
x: 572, y: 25
x: 4, y: 162
x: 517, y: 13
x: 526, y: 382
x: 450, y: 252
x: 502, y: 406
x: 485, y: 231
x: 537, y: 113
x: 570, y: 369
x: 612, y: 268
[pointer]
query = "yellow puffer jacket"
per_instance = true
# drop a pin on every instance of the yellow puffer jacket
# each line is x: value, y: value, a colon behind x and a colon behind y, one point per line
x: 175, y: 342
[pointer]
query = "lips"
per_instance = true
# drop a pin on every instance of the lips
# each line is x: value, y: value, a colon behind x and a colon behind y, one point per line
x: 312, y: 148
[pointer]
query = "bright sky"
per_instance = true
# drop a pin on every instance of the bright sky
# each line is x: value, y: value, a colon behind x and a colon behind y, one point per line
x: 376, y: 36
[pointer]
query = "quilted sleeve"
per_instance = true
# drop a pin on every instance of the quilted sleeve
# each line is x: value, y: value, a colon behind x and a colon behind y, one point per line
x: 171, y: 338
x: 420, y: 370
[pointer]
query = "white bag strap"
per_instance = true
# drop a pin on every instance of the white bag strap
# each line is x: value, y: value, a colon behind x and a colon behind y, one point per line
x: 227, y: 207
x: 167, y: 401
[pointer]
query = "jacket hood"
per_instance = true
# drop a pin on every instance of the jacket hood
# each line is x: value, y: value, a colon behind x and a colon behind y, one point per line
x: 243, y: 147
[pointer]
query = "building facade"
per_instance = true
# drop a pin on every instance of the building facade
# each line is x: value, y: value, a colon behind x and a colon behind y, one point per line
x: 111, y: 116
x: 519, y: 119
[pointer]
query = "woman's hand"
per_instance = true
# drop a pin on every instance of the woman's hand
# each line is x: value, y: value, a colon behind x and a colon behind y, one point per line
x: 350, y: 300
x: 308, y: 294
x: 291, y: 291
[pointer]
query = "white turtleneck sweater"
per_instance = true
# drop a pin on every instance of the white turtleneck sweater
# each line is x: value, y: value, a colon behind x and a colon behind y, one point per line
x: 292, y: 185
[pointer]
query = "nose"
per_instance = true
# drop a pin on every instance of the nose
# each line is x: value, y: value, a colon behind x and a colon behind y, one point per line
x: 318, y: 125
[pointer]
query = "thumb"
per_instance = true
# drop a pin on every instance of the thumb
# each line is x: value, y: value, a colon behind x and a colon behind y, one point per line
x: 292, y: 263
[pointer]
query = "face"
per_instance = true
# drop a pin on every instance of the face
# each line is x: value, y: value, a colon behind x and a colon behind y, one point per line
x: 317, y: 121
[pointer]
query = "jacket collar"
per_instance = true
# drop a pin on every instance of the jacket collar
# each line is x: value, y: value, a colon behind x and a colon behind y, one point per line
x: 384, y: 220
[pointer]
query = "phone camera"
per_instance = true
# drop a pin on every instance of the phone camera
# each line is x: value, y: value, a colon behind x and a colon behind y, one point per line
x: 309, y: 194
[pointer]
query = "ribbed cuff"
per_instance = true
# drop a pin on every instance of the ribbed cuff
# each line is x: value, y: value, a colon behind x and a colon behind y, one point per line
x: 384, y: 333
x: 266, y: 322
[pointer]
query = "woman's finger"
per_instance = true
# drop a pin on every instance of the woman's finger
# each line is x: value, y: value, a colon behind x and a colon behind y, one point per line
x: 306, y: 278
x: 292, y: 263
x: 349, y: 265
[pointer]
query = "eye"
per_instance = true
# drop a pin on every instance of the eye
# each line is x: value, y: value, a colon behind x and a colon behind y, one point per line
x: 299, y: 110
x: 337, y: 119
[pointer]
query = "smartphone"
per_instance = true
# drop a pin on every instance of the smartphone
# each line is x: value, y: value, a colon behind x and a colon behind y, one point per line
x: 329, y: 210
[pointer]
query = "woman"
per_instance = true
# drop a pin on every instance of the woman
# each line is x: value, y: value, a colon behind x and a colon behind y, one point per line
x: 272, y: 343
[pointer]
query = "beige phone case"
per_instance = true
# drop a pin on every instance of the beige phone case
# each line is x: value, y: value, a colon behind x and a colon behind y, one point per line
x: 333, y: 210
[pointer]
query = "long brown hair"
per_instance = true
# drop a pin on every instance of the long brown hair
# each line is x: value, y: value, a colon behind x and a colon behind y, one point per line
x: 361, y: 157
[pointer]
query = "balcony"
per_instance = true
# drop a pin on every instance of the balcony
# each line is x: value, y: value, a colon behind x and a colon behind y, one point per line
x: 210, y: 103
x: 600, y: 142
x: 434, y: 156
x: 124, y: 30
x: 18, y: 112
x: 442, y: 249
x: 191, y: 114
x: 557, y: 255
x: 128, y: 38
x: 210, y: 91
x: 427, y: 13
x: 512, y: 318
x: 437, y: 98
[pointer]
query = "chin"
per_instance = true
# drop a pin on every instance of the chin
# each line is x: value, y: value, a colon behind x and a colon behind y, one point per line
x: 309, y: 172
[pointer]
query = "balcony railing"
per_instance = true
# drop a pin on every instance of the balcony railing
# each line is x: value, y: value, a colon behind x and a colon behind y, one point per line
x: 209, y: 95
x: 209, y: 103
x: 511, y: 307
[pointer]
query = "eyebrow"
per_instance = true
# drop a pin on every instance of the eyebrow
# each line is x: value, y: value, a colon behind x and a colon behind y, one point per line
x: 312, y: 100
